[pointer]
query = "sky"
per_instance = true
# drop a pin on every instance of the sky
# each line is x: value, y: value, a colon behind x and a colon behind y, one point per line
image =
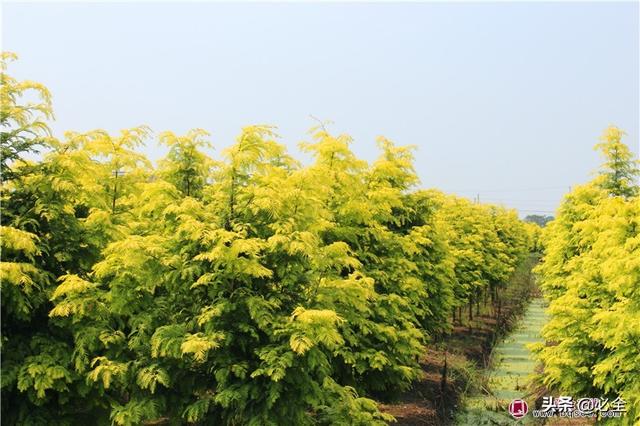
x: 502, y: 100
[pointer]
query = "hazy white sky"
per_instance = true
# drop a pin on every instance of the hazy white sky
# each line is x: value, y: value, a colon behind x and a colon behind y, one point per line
x: 502, y: 99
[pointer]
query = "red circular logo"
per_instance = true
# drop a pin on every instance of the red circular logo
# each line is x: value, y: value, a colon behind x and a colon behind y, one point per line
x: 518, y: 408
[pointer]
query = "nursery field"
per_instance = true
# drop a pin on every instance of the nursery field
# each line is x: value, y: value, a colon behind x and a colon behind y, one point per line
x: 251, y: 288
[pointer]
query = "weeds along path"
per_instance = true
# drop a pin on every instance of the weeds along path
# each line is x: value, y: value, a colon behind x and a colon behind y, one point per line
x: 512, y: 366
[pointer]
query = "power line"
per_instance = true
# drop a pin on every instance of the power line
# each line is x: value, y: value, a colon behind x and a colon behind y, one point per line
x: 534, y: 211
x: 542, y: 188
x: 521, y: 200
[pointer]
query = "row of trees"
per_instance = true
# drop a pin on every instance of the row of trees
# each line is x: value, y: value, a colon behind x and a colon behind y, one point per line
x: 540, y: 220
x: 591, y: 276
x: 244, y: 290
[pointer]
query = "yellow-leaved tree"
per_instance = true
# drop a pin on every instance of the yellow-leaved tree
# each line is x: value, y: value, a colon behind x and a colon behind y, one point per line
x: 246, y: 290
x: 591, y: 276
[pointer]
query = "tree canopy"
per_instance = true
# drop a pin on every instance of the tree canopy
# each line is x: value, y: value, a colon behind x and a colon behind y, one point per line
x: 590, y: 275
x: 245, y: 289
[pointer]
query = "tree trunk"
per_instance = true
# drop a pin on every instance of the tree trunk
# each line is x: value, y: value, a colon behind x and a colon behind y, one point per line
x: 115, y: 193
x: 443, y: 379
